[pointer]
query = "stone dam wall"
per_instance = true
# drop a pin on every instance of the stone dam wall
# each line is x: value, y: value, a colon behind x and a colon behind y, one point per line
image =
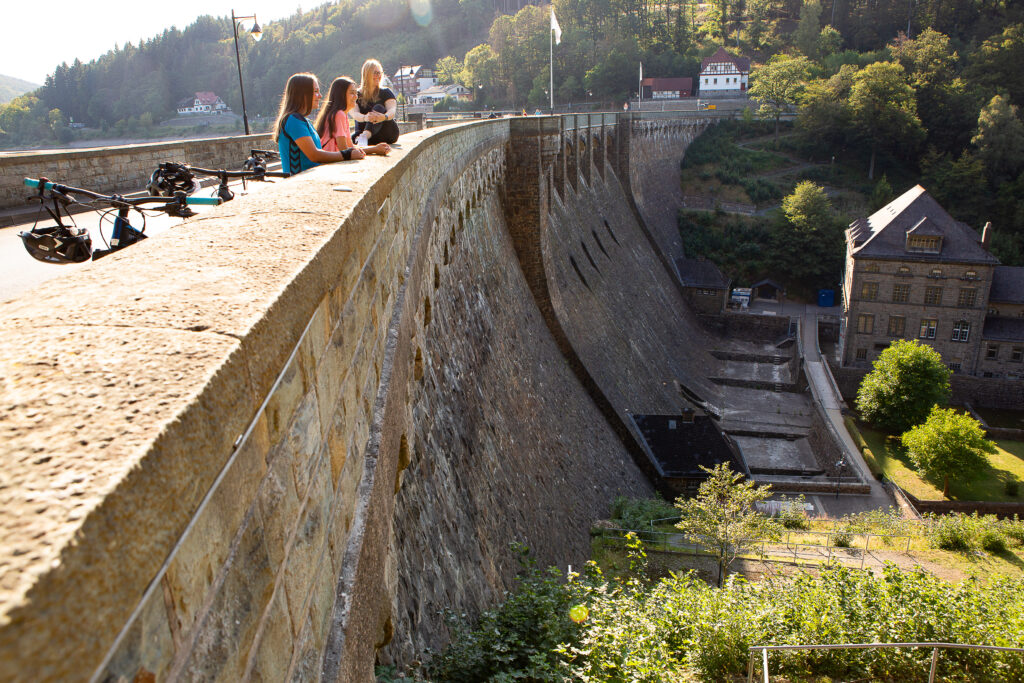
x: 282, y: 437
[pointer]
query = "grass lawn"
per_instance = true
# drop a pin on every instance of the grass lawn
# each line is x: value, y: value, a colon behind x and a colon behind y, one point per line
x: 1006, y: 464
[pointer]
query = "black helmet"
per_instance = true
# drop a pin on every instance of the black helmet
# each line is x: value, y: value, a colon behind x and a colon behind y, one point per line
x: 58, y: 244
x: 169, y: 178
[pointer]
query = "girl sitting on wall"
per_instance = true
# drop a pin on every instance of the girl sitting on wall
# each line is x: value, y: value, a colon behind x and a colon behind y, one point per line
x: 375, y: 108
x: 332, y: 121
x: 297, y: 141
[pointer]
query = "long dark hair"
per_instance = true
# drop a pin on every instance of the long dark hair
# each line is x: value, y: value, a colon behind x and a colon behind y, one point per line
x: 337, y: 98
x: 297, y: 99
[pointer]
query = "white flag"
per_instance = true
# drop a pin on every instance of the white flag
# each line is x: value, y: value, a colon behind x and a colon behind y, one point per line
x: 556, y: 28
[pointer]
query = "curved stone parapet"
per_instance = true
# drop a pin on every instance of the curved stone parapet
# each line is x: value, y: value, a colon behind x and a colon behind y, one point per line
x: 276, y: 441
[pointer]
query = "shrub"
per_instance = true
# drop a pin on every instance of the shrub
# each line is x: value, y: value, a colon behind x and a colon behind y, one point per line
x: 1012, y: 488
x: 638, y: 513
x: 1014, y: 529
x: 842, y: 538
x: 792, y: 516
x: 992, y: 540
x: 951, y: 532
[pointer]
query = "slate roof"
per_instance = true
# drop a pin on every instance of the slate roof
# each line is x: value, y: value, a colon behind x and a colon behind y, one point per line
x: 700, y: 273
x: 741, y: 63
x: 1007, y: 285
x: 1003, y: 329
x: 883, y: 234
x: 681, y: 448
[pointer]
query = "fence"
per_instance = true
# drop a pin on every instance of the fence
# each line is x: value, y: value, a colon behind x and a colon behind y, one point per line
x: 864, y: 646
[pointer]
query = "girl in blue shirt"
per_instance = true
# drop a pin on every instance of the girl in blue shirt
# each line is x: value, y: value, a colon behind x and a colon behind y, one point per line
x: 296, y: 138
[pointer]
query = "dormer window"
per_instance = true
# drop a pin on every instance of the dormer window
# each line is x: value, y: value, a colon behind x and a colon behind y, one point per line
x: 927, y: 244
x: 971, y: 275
x: 936, y: 272
x: 871, y: 268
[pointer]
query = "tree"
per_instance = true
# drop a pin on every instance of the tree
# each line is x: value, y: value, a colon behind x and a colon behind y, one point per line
x: 907, y: 380
x: 779, y: 83
x: 448, y: 70
x: 948, y: 444
x: 805, y: 37
x: 723, y: 515
x: 1000, y: 140
x: 809, y: 245
x: 883, y: 108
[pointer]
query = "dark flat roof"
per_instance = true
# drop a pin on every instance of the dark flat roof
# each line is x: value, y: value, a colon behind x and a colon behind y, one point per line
x: 1003, y: 329
x: 680, y: 448
x: 700, y: 273
x: 1007, y: 285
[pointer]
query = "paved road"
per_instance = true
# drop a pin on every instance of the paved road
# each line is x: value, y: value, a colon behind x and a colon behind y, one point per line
x: 19, y: 272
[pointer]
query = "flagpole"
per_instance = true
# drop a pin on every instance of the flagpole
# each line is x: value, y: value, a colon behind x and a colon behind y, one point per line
x: 551, y: 66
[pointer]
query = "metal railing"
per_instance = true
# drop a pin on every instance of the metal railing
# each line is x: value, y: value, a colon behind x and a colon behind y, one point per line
x: 865, y: 646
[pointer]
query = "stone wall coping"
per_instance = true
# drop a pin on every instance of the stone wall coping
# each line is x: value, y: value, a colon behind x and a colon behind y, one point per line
x: 54, y: 154
x: 126, y: 383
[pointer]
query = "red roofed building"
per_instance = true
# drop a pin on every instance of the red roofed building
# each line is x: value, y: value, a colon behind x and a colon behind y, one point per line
x: 722, y: 75
x: 666, y: 88
x: 203, y: 103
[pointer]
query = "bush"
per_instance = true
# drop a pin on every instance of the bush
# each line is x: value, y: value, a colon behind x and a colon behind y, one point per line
x: 1012, y: 488
x: 637, y: 513
x: 1014, y: 529
x: 992, y: 540
x: 792, y: 516
x: 951, y: 532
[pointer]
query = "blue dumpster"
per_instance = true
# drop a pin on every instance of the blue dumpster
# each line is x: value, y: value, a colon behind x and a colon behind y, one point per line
x: 826, y: 298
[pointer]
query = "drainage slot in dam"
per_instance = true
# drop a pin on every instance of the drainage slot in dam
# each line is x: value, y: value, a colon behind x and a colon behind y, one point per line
x: 578, y: 273
x: 589, y: 257
x: 599, y: 245
x: 610, y: 232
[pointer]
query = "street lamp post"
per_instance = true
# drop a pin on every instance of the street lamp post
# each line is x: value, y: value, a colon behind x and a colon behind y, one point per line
x: 256, y: 34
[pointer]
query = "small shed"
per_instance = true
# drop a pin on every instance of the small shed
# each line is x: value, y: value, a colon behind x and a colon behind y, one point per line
x: 769, y: 290
x: 706, y: 288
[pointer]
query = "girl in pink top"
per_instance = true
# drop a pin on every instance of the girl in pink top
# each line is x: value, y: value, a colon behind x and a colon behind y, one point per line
x: 332, y: 122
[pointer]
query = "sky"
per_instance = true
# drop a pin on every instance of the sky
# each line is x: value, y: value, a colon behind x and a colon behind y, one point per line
x: 36, y: 38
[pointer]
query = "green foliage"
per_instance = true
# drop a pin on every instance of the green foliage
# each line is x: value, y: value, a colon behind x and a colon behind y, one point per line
x: 680, y: 628
x: 637, y: 513
x: 779, y: 84
x: 1000, y: 140
x: 723, y: 515
x: 884, y: 110
x: 809, y: 243
x: 907, y: 380
x: 948, y: 444
x: 518, y: 639
x: 792, y: 515
x: 964, y: 533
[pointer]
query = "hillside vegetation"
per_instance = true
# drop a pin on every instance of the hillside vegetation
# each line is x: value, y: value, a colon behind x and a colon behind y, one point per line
x: 11, y: 87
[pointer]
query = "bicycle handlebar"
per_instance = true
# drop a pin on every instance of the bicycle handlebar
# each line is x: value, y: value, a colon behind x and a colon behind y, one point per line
x: 117, y: 201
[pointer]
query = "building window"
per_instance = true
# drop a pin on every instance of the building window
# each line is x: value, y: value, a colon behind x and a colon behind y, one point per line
x: 971, y: 275
x: 706, y: 292
x: 955, y: 367
x: 933, y: 296
x: 897, y: 325
x: 903, y: 271
x: 961, y: 331
x: 993, y: 311
x: 928, y: 329
x: 1017, y: 353
x: 901, y: 293
x: 992, y: 352
x: 862, y: 354
x: 716, y: 81
x: 871, y: 268
x: 929, y: 244
x: 869, y: 291
x: 936, y: 272
x: 966, y: 297
x: 865, y: 323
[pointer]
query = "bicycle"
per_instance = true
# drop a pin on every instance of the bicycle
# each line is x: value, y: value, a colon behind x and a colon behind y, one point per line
x: 171, y: 177
x: 63, y: 244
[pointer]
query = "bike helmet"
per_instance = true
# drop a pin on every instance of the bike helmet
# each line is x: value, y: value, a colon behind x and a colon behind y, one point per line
x: 169, y: 178
x: 58, y: 244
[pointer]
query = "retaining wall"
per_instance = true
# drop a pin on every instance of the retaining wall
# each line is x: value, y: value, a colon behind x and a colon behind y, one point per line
x: 294, y: 428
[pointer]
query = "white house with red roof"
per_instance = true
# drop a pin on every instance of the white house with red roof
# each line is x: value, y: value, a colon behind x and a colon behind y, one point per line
x: 203, y: 103
x: 722, y: 75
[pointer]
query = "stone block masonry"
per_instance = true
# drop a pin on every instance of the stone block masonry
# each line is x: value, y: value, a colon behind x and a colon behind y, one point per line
x: 282, y: 436
x: 119, y: 169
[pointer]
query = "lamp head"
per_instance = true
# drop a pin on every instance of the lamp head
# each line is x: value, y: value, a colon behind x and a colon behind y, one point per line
x: 256, y: 31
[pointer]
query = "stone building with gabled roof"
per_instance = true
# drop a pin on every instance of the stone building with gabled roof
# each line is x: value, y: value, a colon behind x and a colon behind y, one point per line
x: 723, y: 75
x: 914, y: 272
x: 705, y: 287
